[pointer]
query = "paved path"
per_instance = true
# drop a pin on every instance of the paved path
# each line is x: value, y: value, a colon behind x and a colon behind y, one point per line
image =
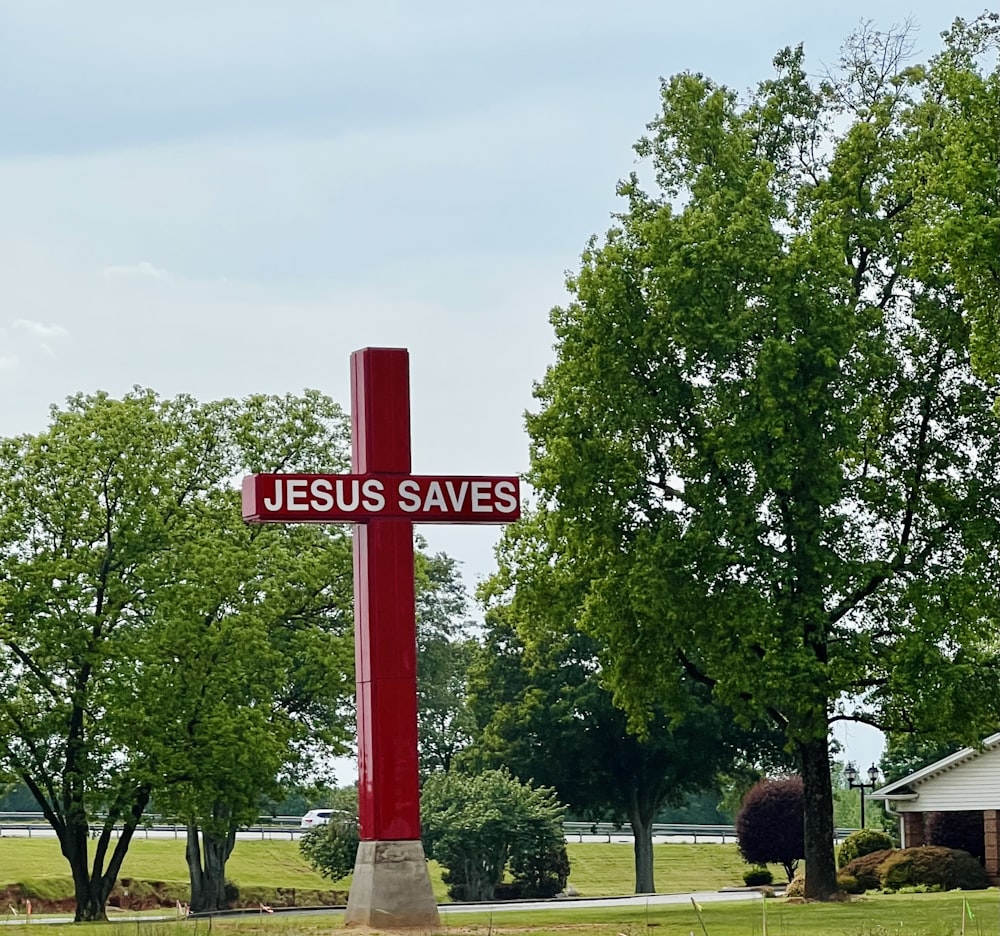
x: 576, y: 903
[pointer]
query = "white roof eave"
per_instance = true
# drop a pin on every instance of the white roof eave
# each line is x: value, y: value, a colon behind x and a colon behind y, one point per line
x: 937, y: 767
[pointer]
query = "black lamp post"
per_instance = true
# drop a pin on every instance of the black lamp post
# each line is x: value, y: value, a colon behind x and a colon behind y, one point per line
x: 851, y: 775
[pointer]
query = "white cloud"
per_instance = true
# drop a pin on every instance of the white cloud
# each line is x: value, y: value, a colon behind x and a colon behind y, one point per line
x: 40, y: 329
x: 141, y: 269
x: 8, y: 362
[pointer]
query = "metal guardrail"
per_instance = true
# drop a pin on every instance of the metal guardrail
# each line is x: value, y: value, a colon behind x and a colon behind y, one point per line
x: 30, y: 823
x: 610, y: 829
x: 33, y: 822
x: 693, y: 832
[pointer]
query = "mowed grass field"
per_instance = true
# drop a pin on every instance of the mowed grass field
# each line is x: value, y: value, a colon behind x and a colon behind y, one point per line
x: 597, y: 870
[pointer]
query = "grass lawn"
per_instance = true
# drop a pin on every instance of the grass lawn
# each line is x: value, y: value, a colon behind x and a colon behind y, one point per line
x: 881, y: 915
x: 597, y: 869
x: 877, y: 915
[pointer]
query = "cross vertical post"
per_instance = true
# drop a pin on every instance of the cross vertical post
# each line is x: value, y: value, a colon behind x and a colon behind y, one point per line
x: 385, y: 651
x: 391, y: 881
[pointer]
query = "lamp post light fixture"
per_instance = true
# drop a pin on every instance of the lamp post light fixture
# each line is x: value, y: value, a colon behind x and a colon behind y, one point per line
x: 851, y: 775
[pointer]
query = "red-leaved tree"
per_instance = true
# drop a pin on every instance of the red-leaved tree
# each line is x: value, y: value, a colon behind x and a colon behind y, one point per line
x: 769, y: 825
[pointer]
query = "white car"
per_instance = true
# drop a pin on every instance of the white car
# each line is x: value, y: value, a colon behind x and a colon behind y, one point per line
x: 316, y: 817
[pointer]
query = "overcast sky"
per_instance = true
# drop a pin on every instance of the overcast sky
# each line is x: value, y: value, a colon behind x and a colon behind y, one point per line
x: 223, y: 197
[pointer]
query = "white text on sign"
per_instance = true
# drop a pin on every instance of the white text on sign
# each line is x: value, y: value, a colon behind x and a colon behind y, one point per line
x: 279, y: 498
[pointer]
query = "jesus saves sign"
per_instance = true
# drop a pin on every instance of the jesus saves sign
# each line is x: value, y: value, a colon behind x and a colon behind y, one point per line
x: 323, y: 498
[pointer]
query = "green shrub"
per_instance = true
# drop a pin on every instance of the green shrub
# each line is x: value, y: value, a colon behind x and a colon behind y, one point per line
x: 862, y: 842
x: 757, y: 875
x: 948, y: 868
x: 865, y: 869
x: 480, y: 827
x: 541, y: 871
x: 332, y: 848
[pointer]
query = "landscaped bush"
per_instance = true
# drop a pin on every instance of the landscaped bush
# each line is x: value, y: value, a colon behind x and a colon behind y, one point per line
x: 865, y: 870
x: 757, y: 876
x: 479, y: 827
x: 948, y: 868
x: 862, y: 842
x: 962, y: 830
x: 333, y: 847
x: 542, y: 870
x: 769, y: 825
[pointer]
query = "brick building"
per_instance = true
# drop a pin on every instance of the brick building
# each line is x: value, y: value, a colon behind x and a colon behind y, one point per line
x: 968, y: 780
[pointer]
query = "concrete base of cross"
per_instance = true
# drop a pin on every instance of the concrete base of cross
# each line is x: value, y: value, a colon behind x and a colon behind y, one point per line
x: 391, y: 888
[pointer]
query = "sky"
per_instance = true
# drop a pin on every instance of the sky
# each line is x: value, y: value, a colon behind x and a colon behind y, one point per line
x: 228, y: 197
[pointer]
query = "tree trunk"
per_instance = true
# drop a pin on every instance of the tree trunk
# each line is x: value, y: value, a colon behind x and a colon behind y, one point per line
x: 73, y: 843
x: 92, y: 884
x: 91, y: 887
x: 208, y: 876
x: 821, y: 870
x: 642, y: 835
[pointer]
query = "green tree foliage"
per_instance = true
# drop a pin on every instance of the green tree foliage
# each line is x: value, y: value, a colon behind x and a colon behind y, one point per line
x: 18, y: 798
x: 955, y: 178
x: 332, y: 848
x: 770, y: 823
x: 282, y: 595
x: 444, y: 652
x: 478, y: 827
x: 761, y: 450
x: 703, y: 808
x: 146, y: 640
x: 545, y: 714
x: 907, y: 753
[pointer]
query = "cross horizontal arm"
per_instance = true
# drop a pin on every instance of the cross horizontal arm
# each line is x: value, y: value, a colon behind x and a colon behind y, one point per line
x: 357, y: 498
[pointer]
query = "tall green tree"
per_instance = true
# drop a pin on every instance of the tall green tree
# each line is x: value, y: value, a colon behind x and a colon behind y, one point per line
x: 544, y: 714
x: 257, y: 622
x: 761, y: 447
x: 137, y: 645
x: 88, y: 509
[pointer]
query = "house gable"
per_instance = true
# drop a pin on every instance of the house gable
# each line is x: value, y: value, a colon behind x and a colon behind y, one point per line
x: 968, y: 779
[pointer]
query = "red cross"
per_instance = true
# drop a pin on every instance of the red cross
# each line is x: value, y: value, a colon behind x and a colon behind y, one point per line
x: 383, y: 499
